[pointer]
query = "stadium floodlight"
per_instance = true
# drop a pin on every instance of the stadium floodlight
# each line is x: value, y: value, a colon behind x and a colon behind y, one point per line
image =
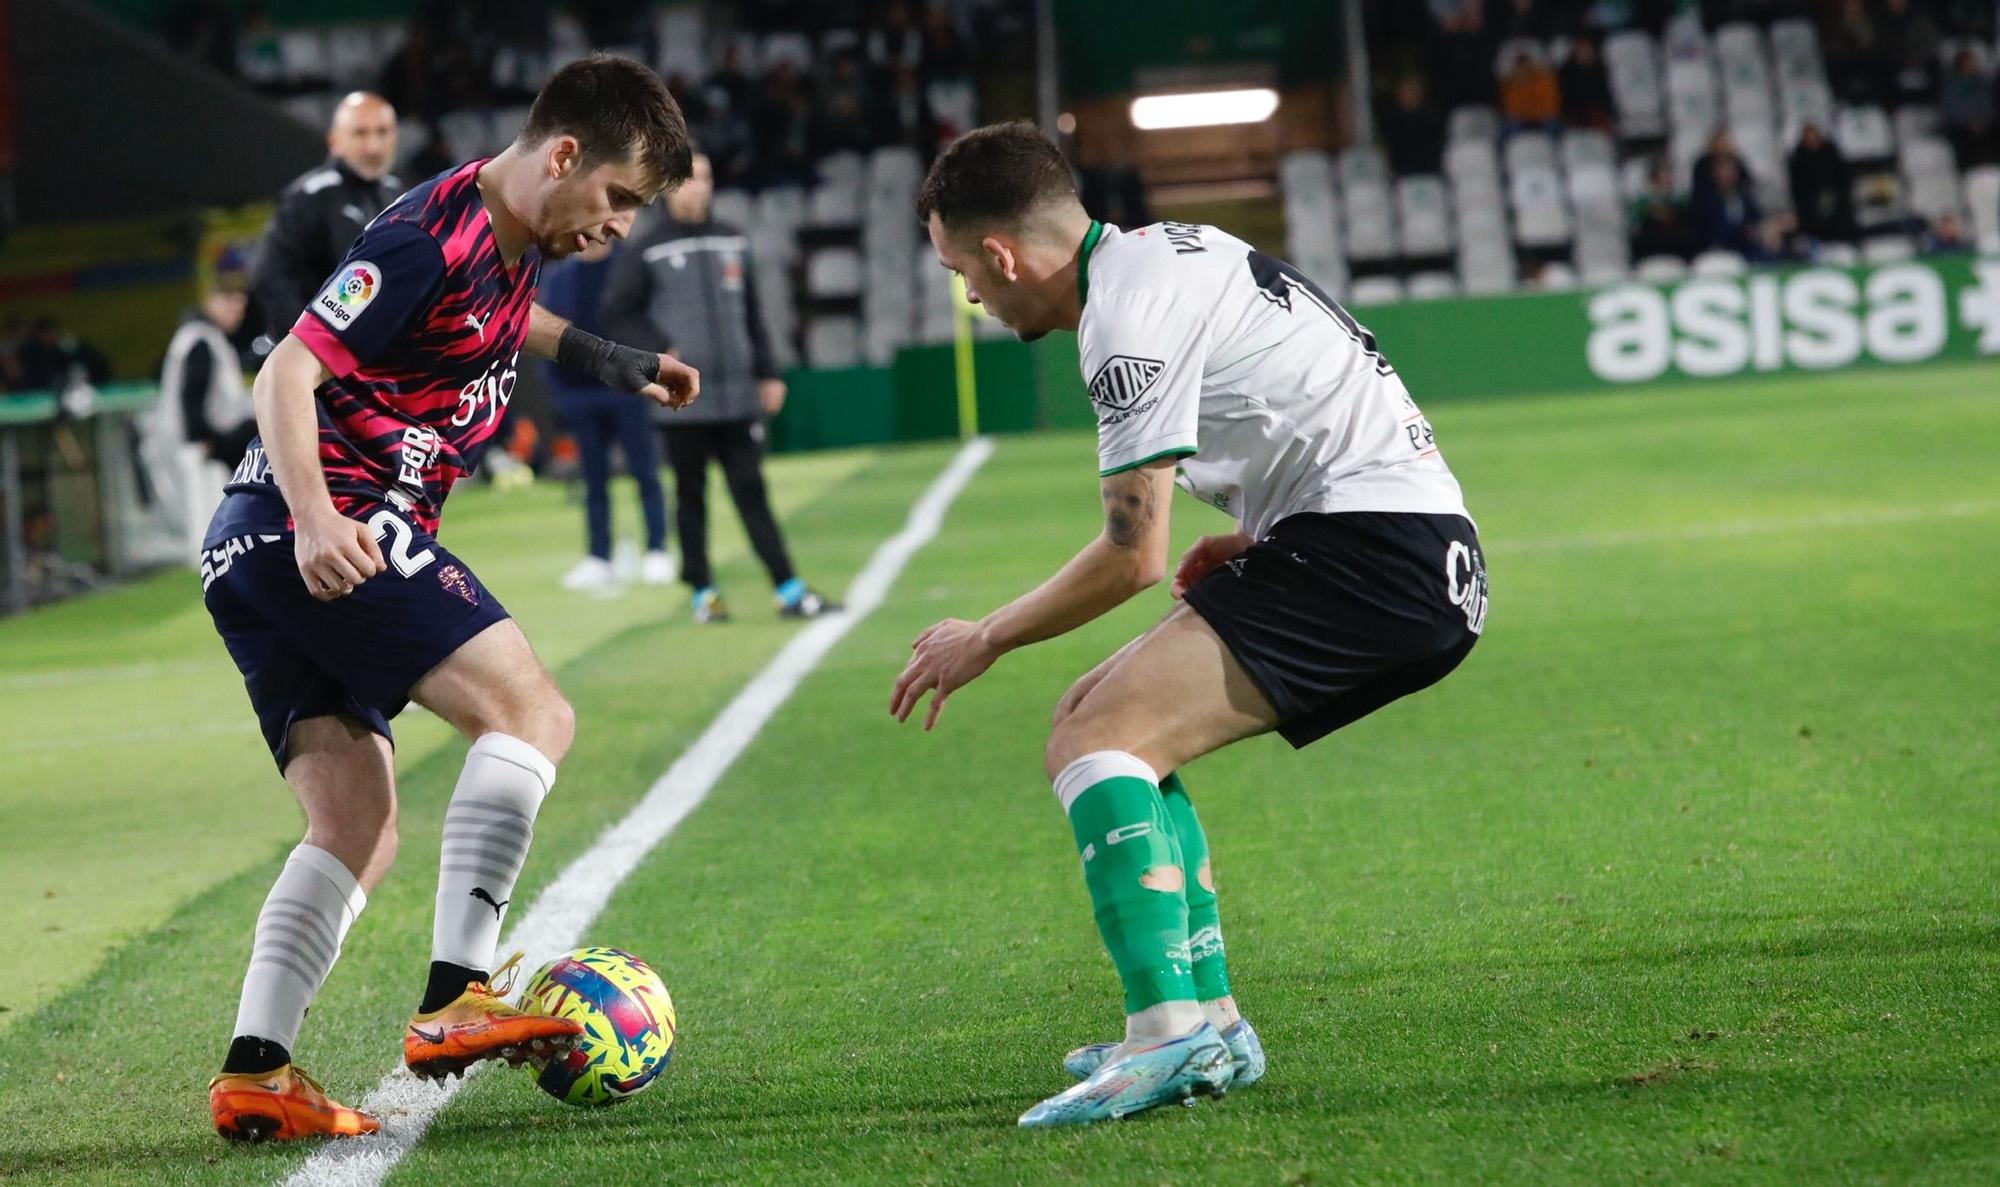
x: 1203, y: 109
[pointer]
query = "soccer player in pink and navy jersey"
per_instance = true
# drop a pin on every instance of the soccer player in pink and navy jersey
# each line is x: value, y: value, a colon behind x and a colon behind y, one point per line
x: 329, y: 587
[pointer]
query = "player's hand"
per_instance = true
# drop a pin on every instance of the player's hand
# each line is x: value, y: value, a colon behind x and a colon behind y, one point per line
x: 947, y: 657
x: 677, y: 385
x: 335, y: 554
x: 771, y: 394
x: 1203, y: 556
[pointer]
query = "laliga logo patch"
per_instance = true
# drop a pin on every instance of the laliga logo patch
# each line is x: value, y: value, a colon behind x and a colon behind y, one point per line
x: 347, y: 294
x: 454, y: 579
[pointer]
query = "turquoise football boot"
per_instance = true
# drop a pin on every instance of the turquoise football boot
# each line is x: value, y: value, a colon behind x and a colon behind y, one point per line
x: 1243, y: 1046
x: 1196, y: 1064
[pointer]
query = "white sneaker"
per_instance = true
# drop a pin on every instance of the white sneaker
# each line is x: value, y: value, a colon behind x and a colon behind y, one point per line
x: 590, y: 573
x: 658, y: 568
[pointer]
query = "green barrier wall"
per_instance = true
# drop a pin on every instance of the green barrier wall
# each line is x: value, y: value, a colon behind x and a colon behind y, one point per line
x: 1784, y: 321
x: 1778, y: 321
x: 1773, y: 321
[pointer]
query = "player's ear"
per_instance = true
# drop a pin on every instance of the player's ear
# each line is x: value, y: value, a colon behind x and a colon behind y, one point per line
x: 565, y: 157
x: 1000, y: 254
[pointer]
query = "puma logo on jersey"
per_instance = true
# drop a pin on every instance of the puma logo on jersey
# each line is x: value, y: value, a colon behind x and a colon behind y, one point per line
x: 478, y: 325
x: 1122, y: 379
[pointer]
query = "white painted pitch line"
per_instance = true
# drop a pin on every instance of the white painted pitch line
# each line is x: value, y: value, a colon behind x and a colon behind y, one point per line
x: 109, y: 673
x: 557, y: 919
x: 1750, y: 527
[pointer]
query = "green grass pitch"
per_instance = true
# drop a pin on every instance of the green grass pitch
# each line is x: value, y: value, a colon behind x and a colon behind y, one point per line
x: 1688, y: 875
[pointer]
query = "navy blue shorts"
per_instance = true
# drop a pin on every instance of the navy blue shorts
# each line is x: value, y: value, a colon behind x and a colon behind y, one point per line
x: 357, y: 655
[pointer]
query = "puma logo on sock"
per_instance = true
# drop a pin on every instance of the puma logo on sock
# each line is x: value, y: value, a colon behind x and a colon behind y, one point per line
x: 479, y: 892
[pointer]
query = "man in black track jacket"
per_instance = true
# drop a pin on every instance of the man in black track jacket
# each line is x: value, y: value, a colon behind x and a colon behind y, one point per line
x: 684, y: 287
x: 322, y: 211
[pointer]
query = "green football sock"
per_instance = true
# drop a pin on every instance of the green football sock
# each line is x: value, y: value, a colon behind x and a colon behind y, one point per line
x: 1211, y: 966
x: 1133, y: 870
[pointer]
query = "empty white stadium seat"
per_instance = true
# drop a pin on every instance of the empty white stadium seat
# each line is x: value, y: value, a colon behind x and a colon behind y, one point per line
x: 1474, y: 123
x: 1369, y: 224
x: 1533, y: 152
x: 1718, y: 263
x: 833, y: 342
x: 1556, y: 277
x: 1661, y: 270
x: 1864, y: 133
x: 1423, y: 214
x: 1636, y: 88
x: 834, y: 272
x: 1377, y: 290
x: 736, y: 207
x: 1838, y: 255
x: 1541, y: 215
x: 1362, y: 163
x: 1429, y: 286
x: 1982, y: 199
x: 1585, y: 147
x: 1887, y: 249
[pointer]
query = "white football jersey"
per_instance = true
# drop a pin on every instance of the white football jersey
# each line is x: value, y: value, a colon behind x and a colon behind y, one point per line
x: 1196, y: 345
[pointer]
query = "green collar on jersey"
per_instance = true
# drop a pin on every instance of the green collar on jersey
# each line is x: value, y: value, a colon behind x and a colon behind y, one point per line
x: 1090, y: 239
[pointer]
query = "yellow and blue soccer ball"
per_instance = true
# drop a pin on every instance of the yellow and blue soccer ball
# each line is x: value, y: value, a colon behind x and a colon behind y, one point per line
x: 628, y: 1024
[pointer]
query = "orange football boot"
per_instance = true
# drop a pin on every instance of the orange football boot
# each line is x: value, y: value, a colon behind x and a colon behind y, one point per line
x: 479, y: 1024
x: 283, y: 1106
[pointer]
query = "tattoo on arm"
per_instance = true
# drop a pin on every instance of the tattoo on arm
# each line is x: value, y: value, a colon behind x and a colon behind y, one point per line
x: 1128, y: 507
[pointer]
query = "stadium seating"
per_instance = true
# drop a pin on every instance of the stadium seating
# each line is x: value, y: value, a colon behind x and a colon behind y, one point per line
x: 1560, y: 202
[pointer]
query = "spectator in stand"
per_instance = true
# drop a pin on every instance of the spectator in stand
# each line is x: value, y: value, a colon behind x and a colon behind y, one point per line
x: 1522, y: 18
x: 1728, y: 218
x: 1460, y: 55
x: 1529, y: 94
x: 1413, y: 130
x: 1585, y: 86
x: 1822, y: 188
x: 1721, y: 146
x: 1909, y: 50
x: 903, y: 114
x: 945, y: 54
x: 841, y: 122
x: 1946, y: 234
x: 782, y: 118
x: 1853, y: 50
x: 1965, y: 108
x: 13, y: 335
x: 895, y: 41
x: 53, y: 358
x: 1659, y: 217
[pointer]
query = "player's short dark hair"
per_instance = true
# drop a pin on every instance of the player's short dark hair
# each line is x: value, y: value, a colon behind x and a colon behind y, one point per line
x: 995, y: 174
x: 614, y: 106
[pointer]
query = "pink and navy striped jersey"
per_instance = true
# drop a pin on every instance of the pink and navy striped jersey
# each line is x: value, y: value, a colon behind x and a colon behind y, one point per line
x: 422, y: 326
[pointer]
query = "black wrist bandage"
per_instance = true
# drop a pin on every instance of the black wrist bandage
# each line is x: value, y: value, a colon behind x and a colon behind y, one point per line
x: 624, y: 367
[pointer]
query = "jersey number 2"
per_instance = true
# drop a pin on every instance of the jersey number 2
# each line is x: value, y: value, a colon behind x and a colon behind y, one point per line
x: 388, y: 523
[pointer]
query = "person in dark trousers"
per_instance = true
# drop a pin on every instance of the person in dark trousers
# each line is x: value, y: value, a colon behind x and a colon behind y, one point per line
x: 597, y: 417
x: 684, y: 287
x: 322, y: 211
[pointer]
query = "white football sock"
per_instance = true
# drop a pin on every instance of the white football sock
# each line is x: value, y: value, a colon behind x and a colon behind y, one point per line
x: 487, y: 828
x: 1221, y: 1013
x: 299, y: 932
x: 1156, y: 1024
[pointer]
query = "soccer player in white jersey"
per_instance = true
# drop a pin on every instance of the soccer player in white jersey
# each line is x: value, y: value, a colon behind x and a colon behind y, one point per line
x: 1354, y: 575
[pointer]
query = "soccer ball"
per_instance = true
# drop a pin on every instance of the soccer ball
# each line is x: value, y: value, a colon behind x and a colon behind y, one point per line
x: 628, y: 1024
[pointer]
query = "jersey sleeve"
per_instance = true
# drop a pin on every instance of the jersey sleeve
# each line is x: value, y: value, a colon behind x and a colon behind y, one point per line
x: 1142, y: 355
x: 391, y: 276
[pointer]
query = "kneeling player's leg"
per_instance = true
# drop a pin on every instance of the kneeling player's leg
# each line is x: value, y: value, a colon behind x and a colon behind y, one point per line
x: 342, y: 774
x: 497, y: 693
